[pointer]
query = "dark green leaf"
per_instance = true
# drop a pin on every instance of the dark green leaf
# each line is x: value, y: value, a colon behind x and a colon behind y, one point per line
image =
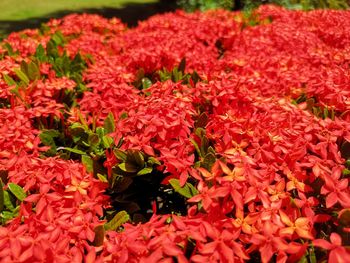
x: 33, y: 71
x: 188, y: 190
x: 345, y: 150
x: 118, y: 220
x: 208, y: 161
x: 122, y: 156
x: 195, y: 77
x: 138, y: 157
x: 48, y: 140
x: 99, y: 236
x: 121, y: 183
x: 127, y: 167
x: 195, y: 144
x: 344, y: 218
x: 182, y: 65
x: 201, y: 121
x: 109, y: 124
x: 93, y: 139
x: 17, y: 191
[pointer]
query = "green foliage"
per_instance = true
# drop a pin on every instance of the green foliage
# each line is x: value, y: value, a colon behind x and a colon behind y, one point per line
x: 177, y: 74
x: 119, y: 219
x: 10, y: 201
x: 205, y: 153
x: 188, y: 190
x: 193, y: 5
x: 316, y: 108
x: 134, y: 180
x: 82, y: 142
x: 60, y: 61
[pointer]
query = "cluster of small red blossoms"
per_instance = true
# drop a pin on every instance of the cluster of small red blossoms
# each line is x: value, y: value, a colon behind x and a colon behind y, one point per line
x: 277, y: 190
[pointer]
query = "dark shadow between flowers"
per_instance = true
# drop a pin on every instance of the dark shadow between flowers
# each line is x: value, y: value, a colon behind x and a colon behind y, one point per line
x: 130, y: 14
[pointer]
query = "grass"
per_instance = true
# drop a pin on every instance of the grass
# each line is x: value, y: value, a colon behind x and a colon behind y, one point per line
x: 15, y: 10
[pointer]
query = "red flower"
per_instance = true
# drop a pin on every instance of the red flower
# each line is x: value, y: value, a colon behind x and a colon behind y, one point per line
x: 338, y: 253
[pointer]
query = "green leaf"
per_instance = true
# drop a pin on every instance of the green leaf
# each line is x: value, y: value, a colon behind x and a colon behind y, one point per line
x: 344, y: 218
x: 188, y: 190
x: 8, y: 215
x: 182, y: 65
x: 208, y: 161
x: 151, y: 161
x: 127, y: 167
x: 303, y: 259
x: 40, y: 53
x: 9, y: 49
x: 33, y: 71
x: 109, y: 124
x: 119, y: 219
x: 312, y: 255
x: 21, y: 75
x: 138, y: 157
x: 47, y: 138
x: 202, y: 121
x: 195, y: 144
x: 102, y: 178
x: 88, y: 162
x: 17, y: 191
x: 99, y: 236
x: 121, y: 183
x: 146, y: 170
x: 8, y: 202
x: 9, y: 81
x: 123, y: 116
x: 100, y: 132
x: 73, y: 150
x: 121, y: 155
x: 93, y: 139
x: 146, y: 83
x: 58, y: 38
x: 195, y: 77
x: 107, y: 141
x: 345, y: 150
x: 1, y: 196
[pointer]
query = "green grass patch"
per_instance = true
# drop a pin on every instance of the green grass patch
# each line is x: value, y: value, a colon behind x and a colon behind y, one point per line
x: 15, y: 10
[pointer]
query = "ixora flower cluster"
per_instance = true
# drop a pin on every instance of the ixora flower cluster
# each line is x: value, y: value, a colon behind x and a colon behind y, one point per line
x: 204, y: 137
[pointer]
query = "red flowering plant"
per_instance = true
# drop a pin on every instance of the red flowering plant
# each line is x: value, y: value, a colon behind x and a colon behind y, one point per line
x: 203, y: 137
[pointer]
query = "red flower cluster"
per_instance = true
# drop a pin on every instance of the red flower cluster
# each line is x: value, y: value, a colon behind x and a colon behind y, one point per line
x: 271, y: 179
